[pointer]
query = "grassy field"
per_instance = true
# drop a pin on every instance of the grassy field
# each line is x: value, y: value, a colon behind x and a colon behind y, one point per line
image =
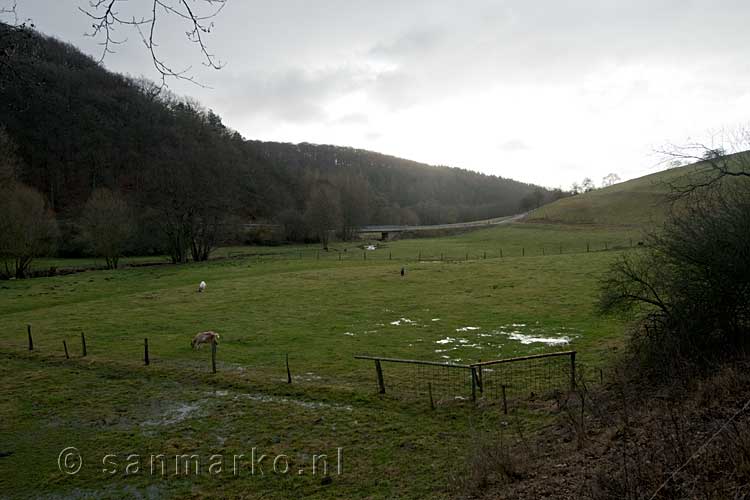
x: 320, y: 311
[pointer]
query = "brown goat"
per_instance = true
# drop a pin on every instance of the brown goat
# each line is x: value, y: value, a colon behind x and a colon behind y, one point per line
x: 204, y: 338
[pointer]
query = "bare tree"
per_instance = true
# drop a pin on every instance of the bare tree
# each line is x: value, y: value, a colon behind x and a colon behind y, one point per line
x: 712, y: 165
x: 354, y: 196
x: 27, y: 228
x: 9, y: 162
x: 107, y: 224
x: 610, y: 179
x: 323, y: 212
x: 107, y: 16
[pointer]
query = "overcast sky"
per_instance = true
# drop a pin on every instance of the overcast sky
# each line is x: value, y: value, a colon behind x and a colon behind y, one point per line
x: 541, y: 91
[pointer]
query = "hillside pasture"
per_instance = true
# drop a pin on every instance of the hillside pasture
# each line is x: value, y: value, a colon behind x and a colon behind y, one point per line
x: 319, y: 312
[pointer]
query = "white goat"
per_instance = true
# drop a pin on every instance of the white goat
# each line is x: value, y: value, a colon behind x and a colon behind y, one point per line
x: 202, y: 286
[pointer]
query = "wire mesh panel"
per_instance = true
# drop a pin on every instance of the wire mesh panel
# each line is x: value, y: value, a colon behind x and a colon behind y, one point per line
x: 513, y: 378
x: 526, y: 376
x: 422, y: 379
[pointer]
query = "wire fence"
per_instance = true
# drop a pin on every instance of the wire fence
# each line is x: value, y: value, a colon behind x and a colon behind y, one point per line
x: 497, y: 380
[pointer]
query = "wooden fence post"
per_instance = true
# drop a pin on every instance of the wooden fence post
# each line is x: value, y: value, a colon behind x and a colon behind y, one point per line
x: 145, y: 352
x: 31, y: 341
x: 379, y: 370
x: 505, y: 401
x: 573, y: 371
x: 213, y: 357
x: 473, y: 384
x: 83, y: 344
x: 288, y: 372
x: 65, y: 346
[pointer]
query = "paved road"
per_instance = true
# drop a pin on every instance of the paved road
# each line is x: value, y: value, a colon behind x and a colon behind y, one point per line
x: 459, y: 225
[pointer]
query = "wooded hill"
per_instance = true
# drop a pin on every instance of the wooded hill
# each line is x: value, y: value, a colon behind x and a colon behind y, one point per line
x: 75, y: 127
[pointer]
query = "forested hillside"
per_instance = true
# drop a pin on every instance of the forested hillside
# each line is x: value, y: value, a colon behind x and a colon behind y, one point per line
x: 70, y: 127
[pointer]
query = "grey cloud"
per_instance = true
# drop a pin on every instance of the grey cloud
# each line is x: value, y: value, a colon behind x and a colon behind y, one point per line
x: 514, y: 145
x: 293, y: 95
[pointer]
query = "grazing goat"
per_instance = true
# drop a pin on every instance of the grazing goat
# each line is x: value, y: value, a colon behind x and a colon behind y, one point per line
x: 202, y: 286
x: 204, y: 338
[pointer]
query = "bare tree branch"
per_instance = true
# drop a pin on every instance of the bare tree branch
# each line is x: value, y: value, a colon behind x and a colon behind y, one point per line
x: 107, y: 18
x: 713, y: 165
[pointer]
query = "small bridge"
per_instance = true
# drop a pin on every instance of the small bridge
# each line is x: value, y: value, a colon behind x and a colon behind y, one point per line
x: 387, y: 231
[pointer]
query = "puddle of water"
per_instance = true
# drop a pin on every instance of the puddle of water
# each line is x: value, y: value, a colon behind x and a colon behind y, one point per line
x: 181, y: 412
x: 312, y: 405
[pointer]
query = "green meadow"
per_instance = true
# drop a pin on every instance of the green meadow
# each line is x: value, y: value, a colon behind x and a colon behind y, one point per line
x: 317, y: 308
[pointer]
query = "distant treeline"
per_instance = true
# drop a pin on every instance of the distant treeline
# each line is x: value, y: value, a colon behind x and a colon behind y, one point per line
x: 75, y: 127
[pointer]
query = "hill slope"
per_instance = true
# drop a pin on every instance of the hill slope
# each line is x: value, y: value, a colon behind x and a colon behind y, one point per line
x: 637, y: 202
x: 78, y: 127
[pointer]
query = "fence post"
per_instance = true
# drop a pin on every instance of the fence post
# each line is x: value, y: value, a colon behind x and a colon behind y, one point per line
x: 523, y: 251
x: 288, y: 372
x: 145, y: 352
x: 31, y: 342
x: 473, y: 384
x: 505, y: 401
x: 379, y: 370
x: 83, y: 344
x: 390, y: 256
x: 65, y: 346
x: 573, y: 371
x: 213, y: 357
